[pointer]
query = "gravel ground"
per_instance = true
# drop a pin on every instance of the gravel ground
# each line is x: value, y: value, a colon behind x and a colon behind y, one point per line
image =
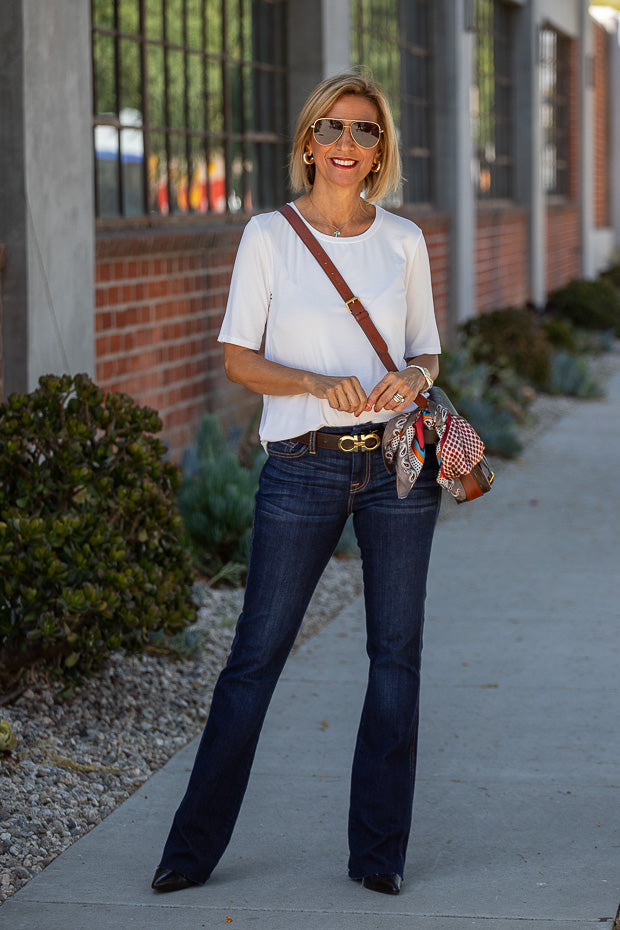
x: 78, y: 759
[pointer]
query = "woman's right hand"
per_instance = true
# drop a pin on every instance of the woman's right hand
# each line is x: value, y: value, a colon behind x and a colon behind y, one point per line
x: 341, y: 393
x: 254, y: 371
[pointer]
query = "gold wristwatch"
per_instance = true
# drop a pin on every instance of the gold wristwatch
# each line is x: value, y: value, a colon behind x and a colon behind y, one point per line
x: 427, y: 375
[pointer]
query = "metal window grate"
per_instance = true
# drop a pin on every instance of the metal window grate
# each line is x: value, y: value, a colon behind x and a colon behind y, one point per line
x: 398, y: 51
x: 491, y: 102
x: 190, y: 104
x: 554, y: 78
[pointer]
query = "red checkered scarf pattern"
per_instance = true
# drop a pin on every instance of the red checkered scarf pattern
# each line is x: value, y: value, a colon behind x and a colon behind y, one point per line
x: 458, y: 449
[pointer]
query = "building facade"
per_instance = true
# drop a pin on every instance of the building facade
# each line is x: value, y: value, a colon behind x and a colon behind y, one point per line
x: 138, y: 136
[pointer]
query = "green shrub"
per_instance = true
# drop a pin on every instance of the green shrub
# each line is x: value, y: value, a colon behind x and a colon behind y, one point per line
x: 493, y: 400
x: 512, y: 337
x: 588, y: 305
x: 464, y: 379
x: 571, y: 377
x: 91, y: 557
x: 595, y: 341
x: 561, y: 334
x: 217, y: 504
x: 507, y: 355
x: 565, y: 337
x: 612, y: 275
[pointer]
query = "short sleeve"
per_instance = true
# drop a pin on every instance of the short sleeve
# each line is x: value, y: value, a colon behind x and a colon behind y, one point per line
x: 250, y: 291
x: 421, y: 336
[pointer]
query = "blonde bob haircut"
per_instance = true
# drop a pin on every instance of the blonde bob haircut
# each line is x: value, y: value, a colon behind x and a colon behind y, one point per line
x: 320, y: 101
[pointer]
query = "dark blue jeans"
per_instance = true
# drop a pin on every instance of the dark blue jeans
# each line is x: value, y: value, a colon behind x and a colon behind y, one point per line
x: 302, y: 504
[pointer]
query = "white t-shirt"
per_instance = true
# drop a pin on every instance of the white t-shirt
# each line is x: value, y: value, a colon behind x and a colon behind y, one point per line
x: 279, y: 290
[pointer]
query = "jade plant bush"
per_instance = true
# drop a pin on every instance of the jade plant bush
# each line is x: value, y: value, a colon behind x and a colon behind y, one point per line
x: 91, y: 552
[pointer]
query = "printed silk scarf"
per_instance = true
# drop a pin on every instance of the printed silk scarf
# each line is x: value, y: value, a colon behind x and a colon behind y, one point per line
x: 458, y: 449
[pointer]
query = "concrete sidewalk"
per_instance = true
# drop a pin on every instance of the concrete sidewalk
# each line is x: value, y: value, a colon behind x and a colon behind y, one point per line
x: 518, y: 792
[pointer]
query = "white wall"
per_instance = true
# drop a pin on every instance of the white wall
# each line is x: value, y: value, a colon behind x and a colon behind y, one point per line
x: 564, y: 15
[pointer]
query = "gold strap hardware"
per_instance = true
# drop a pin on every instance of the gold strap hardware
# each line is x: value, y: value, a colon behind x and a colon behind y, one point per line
x: 349, y: 302
x: 365, y: 443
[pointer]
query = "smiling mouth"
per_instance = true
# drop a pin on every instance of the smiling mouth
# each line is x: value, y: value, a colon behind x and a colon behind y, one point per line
x: 344, y: 162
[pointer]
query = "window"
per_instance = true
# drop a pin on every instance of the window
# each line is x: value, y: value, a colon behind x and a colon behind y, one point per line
x: 554, y: 77
x: 190, y: 105
x: 491, y: 104
x: 398, y: 50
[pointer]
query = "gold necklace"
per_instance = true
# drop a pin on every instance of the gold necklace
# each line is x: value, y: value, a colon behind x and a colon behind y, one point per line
x: 337, y: 229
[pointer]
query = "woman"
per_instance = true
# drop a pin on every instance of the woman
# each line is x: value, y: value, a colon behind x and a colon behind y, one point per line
x: 322, y: 380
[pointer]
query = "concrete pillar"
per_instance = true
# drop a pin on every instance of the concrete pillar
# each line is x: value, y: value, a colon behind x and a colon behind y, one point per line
x: 46, y: 195
x: 336, y: 36
x: 453, y: 144
x: 319, y: 46
x: 529, y: 189
x: 614, y: 131
x: 586, y: 141
x: 12, y: 200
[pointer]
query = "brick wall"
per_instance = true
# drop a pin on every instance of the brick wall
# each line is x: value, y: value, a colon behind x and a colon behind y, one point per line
x: 501, y: 256
x: 436, y: 229
x: 160, y: 298
x: 563, y: 245
x: 563, y: 234
x: 601, y: 126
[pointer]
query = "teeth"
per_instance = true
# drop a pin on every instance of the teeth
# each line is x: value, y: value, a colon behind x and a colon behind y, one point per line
x: 344, y: 161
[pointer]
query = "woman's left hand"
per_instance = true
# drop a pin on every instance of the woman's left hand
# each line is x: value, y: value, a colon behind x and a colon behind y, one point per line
x: 397, y: 390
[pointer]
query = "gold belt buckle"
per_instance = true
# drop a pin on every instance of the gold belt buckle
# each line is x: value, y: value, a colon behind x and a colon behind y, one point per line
x: 364, y: 443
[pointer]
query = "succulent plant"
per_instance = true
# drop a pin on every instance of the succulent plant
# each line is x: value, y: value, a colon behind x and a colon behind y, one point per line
x: 217, y: 503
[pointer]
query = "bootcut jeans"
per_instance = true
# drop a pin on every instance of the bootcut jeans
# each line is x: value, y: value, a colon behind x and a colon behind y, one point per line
x: 304, y: 498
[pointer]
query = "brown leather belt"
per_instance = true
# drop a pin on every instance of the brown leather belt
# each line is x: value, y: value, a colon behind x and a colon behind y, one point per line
x: 355, y: 442
x: 344, y: 442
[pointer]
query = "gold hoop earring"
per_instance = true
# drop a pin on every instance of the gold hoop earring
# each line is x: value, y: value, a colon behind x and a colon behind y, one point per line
x: 308, y: 158
x: 375, y: 167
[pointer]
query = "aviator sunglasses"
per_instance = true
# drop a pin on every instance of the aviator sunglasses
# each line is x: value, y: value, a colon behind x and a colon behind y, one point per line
x: 328, y: 130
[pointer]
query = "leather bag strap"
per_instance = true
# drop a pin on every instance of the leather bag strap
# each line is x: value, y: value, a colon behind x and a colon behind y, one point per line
x: 353, y: 303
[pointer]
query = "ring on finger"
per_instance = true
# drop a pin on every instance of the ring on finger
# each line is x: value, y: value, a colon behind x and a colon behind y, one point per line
x: 398, y: 398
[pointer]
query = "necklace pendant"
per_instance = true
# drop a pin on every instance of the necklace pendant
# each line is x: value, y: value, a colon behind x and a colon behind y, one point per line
x: 337, y: 233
